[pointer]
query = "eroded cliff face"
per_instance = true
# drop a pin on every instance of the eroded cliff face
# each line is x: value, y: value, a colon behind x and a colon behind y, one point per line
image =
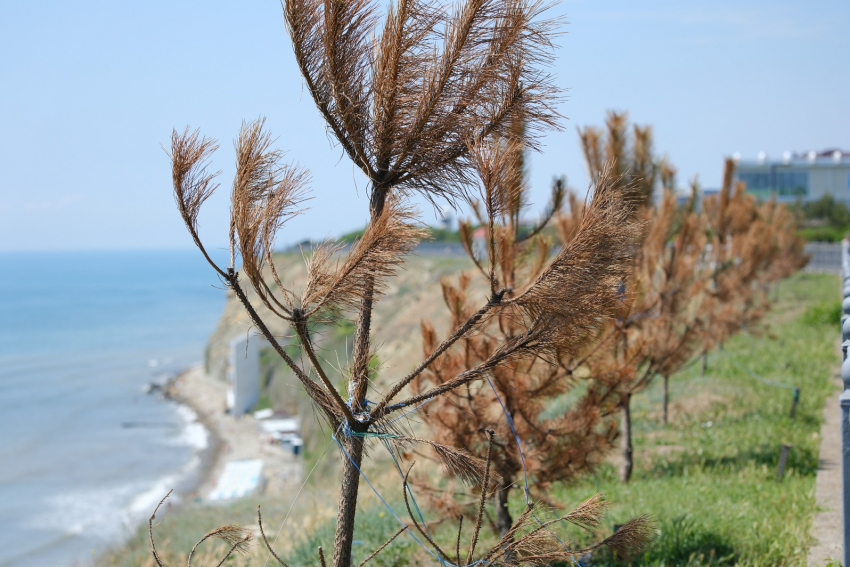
x: 415, y: 294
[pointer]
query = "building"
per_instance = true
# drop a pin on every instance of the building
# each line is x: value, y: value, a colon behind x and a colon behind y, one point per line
x: 243, y: 374
x: 805, y: 177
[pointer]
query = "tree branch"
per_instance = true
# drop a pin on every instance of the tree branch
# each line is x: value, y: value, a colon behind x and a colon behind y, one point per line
x: 400, y: 531
x: 484, y: 486
x: 457, y: 382
x: 495, y: 300
x: 558, y: 192
x: 303, y: 333
x: 360, y: 370
x: 268, y: 545
x: 459, y: 531
x: 426, y: 535
x: 150, y: 528
x: 233, y: 281
x: 233, y: 547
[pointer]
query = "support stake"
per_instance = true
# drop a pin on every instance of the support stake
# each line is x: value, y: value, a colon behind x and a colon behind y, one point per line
x: 783, y: 461
x: 794, y: 402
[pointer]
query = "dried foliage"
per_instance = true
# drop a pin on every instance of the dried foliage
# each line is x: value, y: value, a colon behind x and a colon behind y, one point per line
x: 337, y: 285
x: 237, y: 538
x: 265, y: 195
x: 456, y: 462
x: 433, y: 100
x: 700, y: 276
x: 404, y: 98
x: 632, y: 158
x: 752, y: 245
x: 580, y: 289
x: 552, y: 307
x: 532, y: 541
x: 193, y: 184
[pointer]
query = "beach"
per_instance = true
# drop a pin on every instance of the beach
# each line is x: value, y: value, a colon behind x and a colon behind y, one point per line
x: 232, y: 438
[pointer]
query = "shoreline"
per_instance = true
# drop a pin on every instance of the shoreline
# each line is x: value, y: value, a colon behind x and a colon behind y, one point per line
x: 230, y: 438
x: 209, y: 456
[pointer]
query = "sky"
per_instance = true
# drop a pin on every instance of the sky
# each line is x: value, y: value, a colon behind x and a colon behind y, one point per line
x: 91, y: 91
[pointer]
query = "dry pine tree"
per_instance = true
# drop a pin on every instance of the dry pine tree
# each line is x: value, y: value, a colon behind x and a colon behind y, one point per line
x: 421, y: 102
x: 512, y: 256
x: 699, y: 275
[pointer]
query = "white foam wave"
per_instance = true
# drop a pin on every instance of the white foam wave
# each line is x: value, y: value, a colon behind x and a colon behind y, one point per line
x: 144, y: 503
x: 97, y: 513
x: 193, y: 434
x: 108, y: 513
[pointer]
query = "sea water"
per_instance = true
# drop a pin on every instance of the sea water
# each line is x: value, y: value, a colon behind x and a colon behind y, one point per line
x: 85, y: 454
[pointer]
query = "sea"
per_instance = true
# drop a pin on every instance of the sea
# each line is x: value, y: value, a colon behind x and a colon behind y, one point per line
x: 85, y: 453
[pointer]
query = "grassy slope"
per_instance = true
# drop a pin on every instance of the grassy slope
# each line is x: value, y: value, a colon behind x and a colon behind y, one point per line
x: 709, y: 478
x: 711, y: 488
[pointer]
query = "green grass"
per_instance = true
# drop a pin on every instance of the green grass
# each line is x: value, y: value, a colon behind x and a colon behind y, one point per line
x: 822, y: 313
x: 709, y: 478
x: 824, y: 233
x: 176, y: 531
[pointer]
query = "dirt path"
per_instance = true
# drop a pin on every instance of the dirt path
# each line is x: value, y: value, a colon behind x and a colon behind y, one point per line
x: 826, y: 527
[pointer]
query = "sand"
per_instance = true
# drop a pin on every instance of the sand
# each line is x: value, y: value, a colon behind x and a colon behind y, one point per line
x: 232, y: 437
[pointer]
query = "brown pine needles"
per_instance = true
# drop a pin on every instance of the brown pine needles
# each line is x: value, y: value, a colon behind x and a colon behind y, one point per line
x: 701, y: 275
x: 552, y: 307
x: 436, y: 100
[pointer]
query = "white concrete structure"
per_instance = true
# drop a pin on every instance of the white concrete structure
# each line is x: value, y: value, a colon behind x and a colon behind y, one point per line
x: 239, y: 479
x: 282, y: 425
x: 243, y: 374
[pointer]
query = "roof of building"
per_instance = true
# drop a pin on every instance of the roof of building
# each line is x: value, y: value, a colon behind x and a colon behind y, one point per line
x: 824, y: 158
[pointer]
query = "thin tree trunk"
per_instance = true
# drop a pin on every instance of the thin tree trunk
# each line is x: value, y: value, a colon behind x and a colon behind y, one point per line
x: 666, y: 400
x: 360, y: 368
x: 347, y: 501
x: 504, y: 522
x: 357, y: 392
x: 626, y: 437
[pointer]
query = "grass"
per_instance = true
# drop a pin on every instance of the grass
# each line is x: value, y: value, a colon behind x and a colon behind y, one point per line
x: 709, y: 478
x: 824, y: 233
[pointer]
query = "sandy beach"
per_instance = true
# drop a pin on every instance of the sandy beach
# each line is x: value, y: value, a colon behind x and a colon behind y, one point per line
x: 232, y: 437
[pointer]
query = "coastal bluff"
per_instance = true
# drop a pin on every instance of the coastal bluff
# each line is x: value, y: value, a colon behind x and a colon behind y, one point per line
x: 415, y: 294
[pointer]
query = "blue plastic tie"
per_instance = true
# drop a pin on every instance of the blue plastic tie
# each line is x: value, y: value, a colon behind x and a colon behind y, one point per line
x: 378, y: 494
x: 346, y: 431
x: 510, y: 421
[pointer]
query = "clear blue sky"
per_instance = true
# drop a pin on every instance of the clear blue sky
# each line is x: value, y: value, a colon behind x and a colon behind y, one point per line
x: 91, y: 89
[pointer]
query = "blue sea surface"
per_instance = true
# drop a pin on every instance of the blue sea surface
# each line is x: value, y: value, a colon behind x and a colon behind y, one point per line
x: 84, y: 453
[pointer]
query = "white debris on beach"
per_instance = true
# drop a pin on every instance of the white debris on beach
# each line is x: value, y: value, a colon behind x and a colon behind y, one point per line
x: 239, y: 479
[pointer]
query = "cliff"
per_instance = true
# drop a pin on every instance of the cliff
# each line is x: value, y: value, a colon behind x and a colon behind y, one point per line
x: 412, y: 296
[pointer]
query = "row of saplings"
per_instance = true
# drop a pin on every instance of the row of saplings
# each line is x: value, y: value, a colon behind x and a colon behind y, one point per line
x: 442, y: 101
x: 699, y: 275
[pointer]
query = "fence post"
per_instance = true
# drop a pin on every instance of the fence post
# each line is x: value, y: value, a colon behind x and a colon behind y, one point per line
x: 844, y: 399
x: 844, y: 402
